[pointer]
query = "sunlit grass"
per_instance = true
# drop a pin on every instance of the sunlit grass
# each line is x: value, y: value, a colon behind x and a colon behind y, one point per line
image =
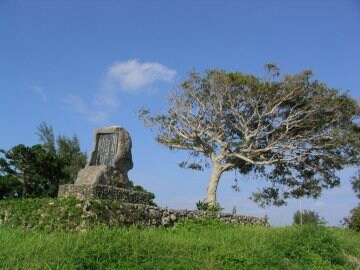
x: 201, y: 244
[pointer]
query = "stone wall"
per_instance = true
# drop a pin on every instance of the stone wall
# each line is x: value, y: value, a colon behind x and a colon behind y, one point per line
x: 70, y: 214
x: 85, y: 192
x: 146, y: 215
x: 133, y: 207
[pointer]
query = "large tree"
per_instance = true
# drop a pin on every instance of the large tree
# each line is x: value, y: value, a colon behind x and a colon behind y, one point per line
x: 294, y: 131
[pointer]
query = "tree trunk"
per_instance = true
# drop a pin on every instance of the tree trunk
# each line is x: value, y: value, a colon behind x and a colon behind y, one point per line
x: 213, y: 184
x: 24, y: 186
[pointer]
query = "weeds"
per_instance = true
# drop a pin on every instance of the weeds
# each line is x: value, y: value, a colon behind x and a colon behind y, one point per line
x: 191, y: 244
x: 216, y: 207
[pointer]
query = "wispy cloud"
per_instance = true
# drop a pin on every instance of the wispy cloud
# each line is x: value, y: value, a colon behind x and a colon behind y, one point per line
x: 132, y: 75
x: 127, y: 77
x: 318, y: 204
x: 78, y: 105
x: 40, y: 92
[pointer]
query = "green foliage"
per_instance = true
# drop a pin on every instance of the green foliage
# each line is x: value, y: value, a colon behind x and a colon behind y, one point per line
x: 46, y: 136
x: 42, y: 214
x: 142, y: 189
x: 69, y: 149
x: 65, y: 214
x: 204, y: 206
x: 293, y: 131
x: 35, y: 170
x: 353, y: 221
x: 196, y: 244
x: 308, y: 217
x: 10, y: 187
x: 355, y: 181
x: 66, y: 148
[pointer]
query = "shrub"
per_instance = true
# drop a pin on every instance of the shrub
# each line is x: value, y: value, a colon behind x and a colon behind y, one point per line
x: 308, y: 217
x: 353, y: 221
x: 203, y: 206
x: 142, y: 189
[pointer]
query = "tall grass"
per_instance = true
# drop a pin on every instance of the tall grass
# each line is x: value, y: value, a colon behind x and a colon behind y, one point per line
x: 196, y: 244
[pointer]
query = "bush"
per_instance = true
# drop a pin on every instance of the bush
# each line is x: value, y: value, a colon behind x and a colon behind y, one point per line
x: 353, y: 221
x: 308, y: 218
x: 142, y: 189
x: 203, y: 206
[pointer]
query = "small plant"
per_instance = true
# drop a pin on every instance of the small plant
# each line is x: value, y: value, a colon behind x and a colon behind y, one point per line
x: 204, y: 206
x: 234, y: 210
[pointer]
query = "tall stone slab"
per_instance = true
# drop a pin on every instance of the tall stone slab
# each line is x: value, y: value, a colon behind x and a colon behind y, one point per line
x: 110, y: 160
x: 105, y: 176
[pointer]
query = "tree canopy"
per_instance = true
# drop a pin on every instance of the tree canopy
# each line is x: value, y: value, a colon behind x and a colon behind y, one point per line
x: 67, y: 148
x: 30, y: 172
x: 37, y: 171
x: 293, y: 131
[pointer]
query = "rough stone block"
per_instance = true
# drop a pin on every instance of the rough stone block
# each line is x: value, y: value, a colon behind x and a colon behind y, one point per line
x: 104, y: 192
x: 110, y: 160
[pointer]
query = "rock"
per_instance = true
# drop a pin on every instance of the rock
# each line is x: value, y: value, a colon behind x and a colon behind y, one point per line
x: 110, y: 160
x: 165, y: 221
x: 154, y: 214
x: 172, y: 218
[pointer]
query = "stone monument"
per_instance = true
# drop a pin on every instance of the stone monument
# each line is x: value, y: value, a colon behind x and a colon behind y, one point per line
x: 105, y: 176
x: 111, y: 159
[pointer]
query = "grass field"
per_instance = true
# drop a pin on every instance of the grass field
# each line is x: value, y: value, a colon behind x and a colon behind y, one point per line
x: 196, y: 244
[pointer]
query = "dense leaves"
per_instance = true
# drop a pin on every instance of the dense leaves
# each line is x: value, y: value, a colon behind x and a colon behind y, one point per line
x: 353, y: 221
x: 66, y: 148
x: 69, y: 149
x: 37, y: 171
x: 30, y: 172
x: 293, y: 131
x: 308, y: 217
x: 355, y: 181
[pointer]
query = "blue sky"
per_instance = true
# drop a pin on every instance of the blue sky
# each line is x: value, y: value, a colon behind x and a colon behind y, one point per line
x: 79, y: 65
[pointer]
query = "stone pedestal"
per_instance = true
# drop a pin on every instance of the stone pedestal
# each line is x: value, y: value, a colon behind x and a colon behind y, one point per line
x: 85, y: 192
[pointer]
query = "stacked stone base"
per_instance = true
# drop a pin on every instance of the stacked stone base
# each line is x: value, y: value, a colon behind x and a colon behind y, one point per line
x: 118, y: 207
x: 114, y: 213
x: 55, y: 214
x: 158, y: 216
x: 86, y: 192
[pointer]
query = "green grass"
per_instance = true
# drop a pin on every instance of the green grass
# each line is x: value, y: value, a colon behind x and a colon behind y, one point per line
x: 55, y: 234
x: 197, y: 244
x: 64, y: 214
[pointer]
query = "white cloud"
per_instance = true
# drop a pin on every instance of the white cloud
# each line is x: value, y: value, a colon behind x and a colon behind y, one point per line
x: 132, y: 75
x: 78, y: 105
x: 40, y: 92
x: 127, y: 76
